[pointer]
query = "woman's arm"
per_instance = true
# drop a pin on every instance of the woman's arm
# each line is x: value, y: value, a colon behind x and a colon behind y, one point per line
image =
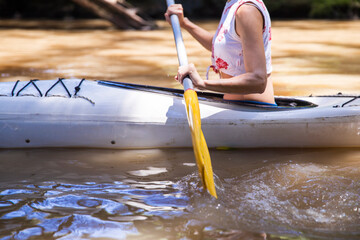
x: 201, y: 35
x: 249, y: 26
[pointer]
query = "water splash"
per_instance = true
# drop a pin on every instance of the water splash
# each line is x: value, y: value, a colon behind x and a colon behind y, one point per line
x: 290, y: 197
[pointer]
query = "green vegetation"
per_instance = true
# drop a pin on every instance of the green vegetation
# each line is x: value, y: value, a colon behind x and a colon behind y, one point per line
x: 335, y: 9
x: 330, y: 9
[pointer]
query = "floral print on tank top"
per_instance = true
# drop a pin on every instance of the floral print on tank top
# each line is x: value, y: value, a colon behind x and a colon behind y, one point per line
x: 227, y: 60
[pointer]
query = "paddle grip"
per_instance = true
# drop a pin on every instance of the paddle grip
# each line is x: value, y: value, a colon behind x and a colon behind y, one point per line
x: 180, y: 47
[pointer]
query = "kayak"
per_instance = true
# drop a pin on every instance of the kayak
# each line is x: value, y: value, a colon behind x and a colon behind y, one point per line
x: 105, y: 114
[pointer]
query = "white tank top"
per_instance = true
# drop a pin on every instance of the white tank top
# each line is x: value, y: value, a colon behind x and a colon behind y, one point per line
x: 227, y: 51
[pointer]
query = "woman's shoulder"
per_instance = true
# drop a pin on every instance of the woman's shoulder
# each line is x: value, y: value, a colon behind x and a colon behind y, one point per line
x: 248, y: 12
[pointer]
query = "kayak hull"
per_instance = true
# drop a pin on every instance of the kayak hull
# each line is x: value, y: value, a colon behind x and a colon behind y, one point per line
x: 114, y: 115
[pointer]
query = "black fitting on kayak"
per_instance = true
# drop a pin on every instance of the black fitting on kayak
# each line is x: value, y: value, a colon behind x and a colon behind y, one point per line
x: 77, y: 88
x: 62, y: 83
x: 30, y: 82
x: 350, y: 101
x: 13, y: 90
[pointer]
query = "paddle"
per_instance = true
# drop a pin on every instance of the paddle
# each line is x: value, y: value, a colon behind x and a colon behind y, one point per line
x: 201, y: 150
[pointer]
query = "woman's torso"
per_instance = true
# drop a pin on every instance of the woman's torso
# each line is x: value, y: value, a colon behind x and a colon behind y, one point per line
x: 227, y: 52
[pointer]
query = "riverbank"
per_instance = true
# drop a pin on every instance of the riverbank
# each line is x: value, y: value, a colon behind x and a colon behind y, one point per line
x: 309, y: 57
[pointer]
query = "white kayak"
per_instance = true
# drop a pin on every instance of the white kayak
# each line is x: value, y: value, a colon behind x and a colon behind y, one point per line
x: 103, y: 114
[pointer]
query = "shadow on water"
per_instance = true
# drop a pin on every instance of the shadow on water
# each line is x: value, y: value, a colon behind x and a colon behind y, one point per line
x: 153, y: 194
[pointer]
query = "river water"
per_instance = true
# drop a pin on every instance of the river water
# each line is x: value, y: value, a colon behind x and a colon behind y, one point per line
x: 156, y: 193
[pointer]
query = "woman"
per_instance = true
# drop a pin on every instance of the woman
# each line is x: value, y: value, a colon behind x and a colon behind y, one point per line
x: 241, y: 52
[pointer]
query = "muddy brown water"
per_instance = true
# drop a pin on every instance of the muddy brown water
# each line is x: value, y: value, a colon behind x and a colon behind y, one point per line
x: 155, y: 193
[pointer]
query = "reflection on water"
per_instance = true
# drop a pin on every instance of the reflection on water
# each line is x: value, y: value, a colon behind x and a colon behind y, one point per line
x: 153, y: 194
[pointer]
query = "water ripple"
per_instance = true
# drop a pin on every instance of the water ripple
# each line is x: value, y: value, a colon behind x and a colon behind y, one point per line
x: 73, y: 211
x: 266, y: 195
x: 291, y: 198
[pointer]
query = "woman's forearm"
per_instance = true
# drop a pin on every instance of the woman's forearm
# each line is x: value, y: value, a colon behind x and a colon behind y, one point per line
x: 247, y: 83
x: 201, y: 35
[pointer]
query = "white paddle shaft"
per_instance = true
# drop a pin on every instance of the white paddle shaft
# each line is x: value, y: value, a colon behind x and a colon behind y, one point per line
x: 180, y: 47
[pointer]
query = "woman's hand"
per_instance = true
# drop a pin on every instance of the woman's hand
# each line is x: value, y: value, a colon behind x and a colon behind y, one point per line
x: 178, y: 10
x: 190, y: 70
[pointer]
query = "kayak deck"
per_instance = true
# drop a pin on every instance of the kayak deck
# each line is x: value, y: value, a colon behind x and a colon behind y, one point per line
x: 282, y: 102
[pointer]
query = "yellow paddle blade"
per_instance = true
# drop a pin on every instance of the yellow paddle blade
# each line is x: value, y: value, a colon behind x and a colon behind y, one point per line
x: 201, y: 150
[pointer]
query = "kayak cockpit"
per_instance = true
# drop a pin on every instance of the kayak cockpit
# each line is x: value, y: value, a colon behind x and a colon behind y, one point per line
x: 282, y: 102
